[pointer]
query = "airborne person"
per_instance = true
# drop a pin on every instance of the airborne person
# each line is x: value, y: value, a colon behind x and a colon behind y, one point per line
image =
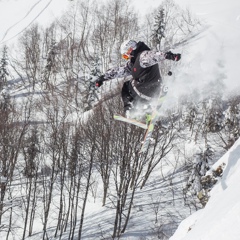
x: 142, y: 64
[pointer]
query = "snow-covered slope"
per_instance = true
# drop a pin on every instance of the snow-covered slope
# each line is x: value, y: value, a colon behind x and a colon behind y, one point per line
x: 220, y: 219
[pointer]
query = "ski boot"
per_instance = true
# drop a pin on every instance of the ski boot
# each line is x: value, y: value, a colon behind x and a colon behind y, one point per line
x: 148, y: 118
x: 127, y: 109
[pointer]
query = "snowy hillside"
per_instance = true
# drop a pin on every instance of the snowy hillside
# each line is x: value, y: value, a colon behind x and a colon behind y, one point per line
x: 219, y: 220
x: 210, y: 61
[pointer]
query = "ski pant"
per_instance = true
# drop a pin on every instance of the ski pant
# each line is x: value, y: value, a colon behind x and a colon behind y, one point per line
x: 129, y: 95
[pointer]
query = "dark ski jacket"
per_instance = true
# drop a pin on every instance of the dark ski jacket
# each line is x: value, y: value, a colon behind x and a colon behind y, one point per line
x: 143, y: 66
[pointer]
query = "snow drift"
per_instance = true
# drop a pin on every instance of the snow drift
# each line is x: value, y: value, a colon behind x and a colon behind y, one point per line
x: 220, y: 219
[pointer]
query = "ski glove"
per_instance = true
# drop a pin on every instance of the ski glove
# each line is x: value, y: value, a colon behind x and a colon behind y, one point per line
x: 171, y: 56
x: 99, y: 81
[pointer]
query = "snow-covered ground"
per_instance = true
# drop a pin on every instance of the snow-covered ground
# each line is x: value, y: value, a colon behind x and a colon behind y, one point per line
x: 220, y: 219
x: 214, y: 53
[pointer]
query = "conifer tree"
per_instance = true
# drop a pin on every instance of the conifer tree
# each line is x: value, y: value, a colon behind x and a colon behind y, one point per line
x: 158, y: 30
x: 3, y: 69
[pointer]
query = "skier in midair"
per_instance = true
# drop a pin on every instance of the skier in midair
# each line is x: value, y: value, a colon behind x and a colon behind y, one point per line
x: 142, y: 64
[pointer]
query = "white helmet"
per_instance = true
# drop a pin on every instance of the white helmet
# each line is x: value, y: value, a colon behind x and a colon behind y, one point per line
x: 126, y: 48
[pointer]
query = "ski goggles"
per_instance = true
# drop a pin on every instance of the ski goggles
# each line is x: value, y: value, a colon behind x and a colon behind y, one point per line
x: 127, y: 55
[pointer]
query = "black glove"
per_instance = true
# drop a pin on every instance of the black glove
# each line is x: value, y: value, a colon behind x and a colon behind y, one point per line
x: 99, y: 81
x: 171, y: 56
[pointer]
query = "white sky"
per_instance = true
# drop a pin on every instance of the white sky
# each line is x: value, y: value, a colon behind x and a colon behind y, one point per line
x: 16, y: 15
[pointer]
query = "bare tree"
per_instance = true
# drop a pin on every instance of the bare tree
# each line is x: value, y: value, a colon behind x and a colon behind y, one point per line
x: 30, y: 43
x: 162, y: 145
x: 30, y: 150
x: 12, y: 131
x: 111, y: 29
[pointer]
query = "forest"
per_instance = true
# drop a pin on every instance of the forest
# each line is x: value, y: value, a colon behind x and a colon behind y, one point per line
x: 59, y: 144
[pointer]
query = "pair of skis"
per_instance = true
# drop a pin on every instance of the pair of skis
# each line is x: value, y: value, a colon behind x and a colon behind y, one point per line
x: 148, y: 126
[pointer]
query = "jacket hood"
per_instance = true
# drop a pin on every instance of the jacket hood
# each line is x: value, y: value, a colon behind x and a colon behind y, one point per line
x: 141, y: 46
